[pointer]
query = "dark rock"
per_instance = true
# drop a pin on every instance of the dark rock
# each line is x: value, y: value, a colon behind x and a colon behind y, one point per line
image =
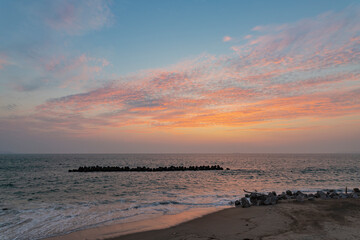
x: 262, y: 197
x: 334, y: 195
x: 288, y: 197
x: 342, y: 195
x: 253, y: 199
x: 257, y: 199
x: 144, y: 169
x: 357, y: 190
x: 267, y: 201
x: 300, y: 198
x: 244, y: 202
x: 299, y: 193
x: 321, y: 194
x: 270, y: 199
x: 259, y: 202
x: 281, y: 196
x: 254, y: 195
x: 354, y: 195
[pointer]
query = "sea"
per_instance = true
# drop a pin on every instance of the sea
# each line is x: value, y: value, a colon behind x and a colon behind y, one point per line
x: 39, y: 198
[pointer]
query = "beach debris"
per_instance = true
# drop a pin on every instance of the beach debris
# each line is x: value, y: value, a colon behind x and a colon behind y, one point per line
x: 257, y: 199
x: 255, y: 191
x: 145, y: 169
x: 244, y: 202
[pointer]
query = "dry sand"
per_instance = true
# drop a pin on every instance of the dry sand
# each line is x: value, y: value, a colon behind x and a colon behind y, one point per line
x: 319, y: 219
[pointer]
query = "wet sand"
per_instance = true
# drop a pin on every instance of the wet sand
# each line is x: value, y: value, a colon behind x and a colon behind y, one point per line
x: 319, y: 219
x: 159, y: 222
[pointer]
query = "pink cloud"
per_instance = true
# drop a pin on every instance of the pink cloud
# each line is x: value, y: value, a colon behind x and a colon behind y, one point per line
x: 227, y: 39
x: 257, y: 28
x: 75, y: 72
x: 307, y: 69
x: 77, y: 17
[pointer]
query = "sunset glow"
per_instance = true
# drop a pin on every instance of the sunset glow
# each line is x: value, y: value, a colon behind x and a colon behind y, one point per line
x: 292, y: 85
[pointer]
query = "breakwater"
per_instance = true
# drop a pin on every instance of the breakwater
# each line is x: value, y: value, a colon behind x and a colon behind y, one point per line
x: 145, y: 169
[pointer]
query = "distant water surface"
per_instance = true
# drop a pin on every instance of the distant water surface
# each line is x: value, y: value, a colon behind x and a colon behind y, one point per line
x: 39, y: 198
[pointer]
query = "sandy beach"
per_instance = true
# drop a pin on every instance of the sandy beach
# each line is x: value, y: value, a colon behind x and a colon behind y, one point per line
x: 319, y: 219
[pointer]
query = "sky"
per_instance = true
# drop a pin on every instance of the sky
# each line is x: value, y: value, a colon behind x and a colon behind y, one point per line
x: 200, y: 76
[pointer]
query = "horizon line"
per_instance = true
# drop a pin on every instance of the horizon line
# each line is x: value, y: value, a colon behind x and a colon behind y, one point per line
x: 4, y: 153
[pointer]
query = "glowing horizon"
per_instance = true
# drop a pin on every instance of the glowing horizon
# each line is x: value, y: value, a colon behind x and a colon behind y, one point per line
x: 292, y: 86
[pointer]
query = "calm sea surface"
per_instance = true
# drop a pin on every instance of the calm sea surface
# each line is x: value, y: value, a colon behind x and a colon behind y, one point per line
x: 40, y: 198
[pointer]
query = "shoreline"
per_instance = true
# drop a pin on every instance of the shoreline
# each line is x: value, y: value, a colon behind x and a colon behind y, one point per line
x: 319, y: 219
x: 145, y: 225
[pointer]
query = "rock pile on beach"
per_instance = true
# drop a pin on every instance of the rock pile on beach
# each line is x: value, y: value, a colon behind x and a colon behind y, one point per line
x: 145, y: 169
x: 258, y: 199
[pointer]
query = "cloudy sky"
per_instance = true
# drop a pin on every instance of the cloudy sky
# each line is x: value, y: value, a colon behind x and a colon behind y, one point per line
x: 179, y: 76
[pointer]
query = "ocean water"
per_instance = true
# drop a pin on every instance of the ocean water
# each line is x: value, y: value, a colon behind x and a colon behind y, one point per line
x: 39, y: 198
